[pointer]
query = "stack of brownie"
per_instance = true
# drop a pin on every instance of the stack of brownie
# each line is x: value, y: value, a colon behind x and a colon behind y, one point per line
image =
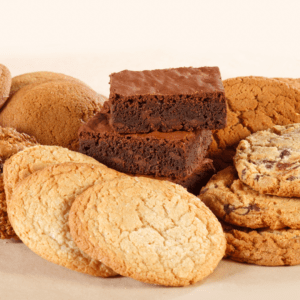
x: 158, y: 123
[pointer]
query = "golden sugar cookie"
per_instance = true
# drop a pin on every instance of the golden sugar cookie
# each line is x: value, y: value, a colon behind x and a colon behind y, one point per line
x: 254, y: 104
x: 39, y: 212
x: 51, y: 111
x: 5, y: 83
x: 24, y: 163
x: 151, y: 230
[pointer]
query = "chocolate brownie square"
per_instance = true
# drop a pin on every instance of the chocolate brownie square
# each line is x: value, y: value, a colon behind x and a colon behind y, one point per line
x: 195, y: 181
x: 176, y: 154
x: 166, y: 100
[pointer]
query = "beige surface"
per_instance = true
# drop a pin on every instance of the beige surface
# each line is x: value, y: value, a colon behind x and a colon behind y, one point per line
x: 24, y: 275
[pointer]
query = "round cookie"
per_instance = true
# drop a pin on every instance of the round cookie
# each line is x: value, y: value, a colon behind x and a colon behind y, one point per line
x: 39, y: 212
x: 254, y: 104
x: 11, y: 142
x: 24, y: 163
x: 151, y: 230
x: 52, y: 111
x: 20, y: 81
x: 264, y: 247
x: 5, y: 83
x: 236, y: 203
x: 269, y: 161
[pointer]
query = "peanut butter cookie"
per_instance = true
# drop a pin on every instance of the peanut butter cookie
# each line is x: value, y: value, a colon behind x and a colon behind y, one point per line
x: 5, y: 83
x: 39, y: 212
x: 20, y: 81
x: 264, y: 247
x: 24, y: 163
x: 238, y: 204
x: 269, y: 161
x: 11, y: 142
x: 51, y: 111
x: 153, y: 231
x: 254, y: 104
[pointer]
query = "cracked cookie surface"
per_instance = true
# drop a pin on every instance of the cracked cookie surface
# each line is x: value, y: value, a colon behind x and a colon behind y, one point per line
x: 264, y: 247
x: 39, y: 211
x: 24, y: 163
x: 11, y: 142
x: 254, y: 104
x: 236, y: 203
x: 269, y: 161
x: 153, y: 231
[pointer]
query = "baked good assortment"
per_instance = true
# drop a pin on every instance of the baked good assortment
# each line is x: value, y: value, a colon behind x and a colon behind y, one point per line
x: 258, y: 200
x: 167, y: 132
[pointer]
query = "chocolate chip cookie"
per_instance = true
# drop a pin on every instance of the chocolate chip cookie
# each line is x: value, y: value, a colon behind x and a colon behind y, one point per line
x: 236, y: 203
x: 269, y: 161
x: 264, y: 247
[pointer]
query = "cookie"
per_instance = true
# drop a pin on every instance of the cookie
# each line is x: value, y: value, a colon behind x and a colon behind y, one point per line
x: 11, y: 142
x: 39, y: 211
x: 238, y: 204
x: 264, y: 247
x: 5, y: 83
x: 269, y: 161
x: 51, y: 111
x: 20, y: 81
x: 24, y: 163
x: 254, y: 104
x: 153, y: 231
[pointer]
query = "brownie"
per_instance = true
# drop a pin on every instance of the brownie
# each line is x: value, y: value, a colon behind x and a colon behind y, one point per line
x: 166, y: 100
x: 199, y: 178
x: 176, y: 154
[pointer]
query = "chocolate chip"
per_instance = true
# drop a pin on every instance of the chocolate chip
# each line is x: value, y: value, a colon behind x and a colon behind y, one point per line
x: 257, y: 177
x: 216, y: 185
x: 228, y: 208
x: 269, y: 163
x: 285, y: 153
x: 283, y: 166
x: 243, y: 172
x: 291, y: 178
x: 204, y: 191
x: 1, y: 168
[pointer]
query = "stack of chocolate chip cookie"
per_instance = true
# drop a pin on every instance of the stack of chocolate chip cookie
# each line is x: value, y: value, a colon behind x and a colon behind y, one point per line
x: 259, y: 199
x: 158, y: 123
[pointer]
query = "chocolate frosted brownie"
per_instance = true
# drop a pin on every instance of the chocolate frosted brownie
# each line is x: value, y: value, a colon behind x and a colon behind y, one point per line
x: 166, y: 100
x: 175, y: 154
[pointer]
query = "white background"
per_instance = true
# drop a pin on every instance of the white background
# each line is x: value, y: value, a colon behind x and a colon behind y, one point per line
x: 91, y: 39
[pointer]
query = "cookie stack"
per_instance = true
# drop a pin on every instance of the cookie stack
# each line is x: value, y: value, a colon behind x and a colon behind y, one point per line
x: 259, y: 198
x: 78, y: 213
x: 158, y: 123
